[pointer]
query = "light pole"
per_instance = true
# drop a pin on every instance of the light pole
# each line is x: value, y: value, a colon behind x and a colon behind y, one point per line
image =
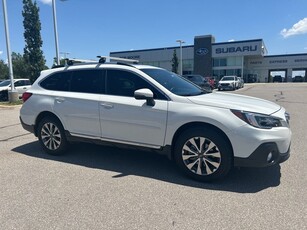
x: 180, y: 42
x: 56, y: 32
x: 13, y: 94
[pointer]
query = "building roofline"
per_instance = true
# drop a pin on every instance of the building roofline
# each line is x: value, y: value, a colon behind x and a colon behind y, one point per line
x: 154, y: 49
x: 234, y: 42
x: 285, y: 55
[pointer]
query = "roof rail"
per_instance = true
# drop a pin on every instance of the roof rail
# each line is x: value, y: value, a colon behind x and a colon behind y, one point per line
x: 102, y: 59
x: 72, y: 61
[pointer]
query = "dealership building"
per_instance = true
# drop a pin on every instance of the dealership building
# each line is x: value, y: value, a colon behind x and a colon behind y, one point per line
x: 246, y: 58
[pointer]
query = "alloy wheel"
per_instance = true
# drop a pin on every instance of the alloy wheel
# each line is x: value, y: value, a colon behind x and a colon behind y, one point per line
x: 201, y: 156
x: 51, y: 136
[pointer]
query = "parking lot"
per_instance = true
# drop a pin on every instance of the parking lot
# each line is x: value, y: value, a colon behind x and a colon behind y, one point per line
x: 97, y: 187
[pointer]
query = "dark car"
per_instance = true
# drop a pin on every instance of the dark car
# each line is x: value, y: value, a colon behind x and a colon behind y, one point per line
x: 298, y: 79
x: 277, y: 78
x: 200, y: 81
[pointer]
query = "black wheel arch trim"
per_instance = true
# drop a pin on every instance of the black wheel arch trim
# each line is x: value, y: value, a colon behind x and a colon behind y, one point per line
x: 41, y: 116
x: 192, y: 125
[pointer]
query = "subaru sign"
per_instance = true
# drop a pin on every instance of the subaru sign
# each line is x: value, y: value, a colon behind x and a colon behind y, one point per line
x: 202, y: 51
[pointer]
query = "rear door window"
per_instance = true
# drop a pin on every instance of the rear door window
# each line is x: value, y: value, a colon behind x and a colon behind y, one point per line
x: 87, y: 81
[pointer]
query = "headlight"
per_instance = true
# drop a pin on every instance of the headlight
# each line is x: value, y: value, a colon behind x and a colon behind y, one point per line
x: 260, y: 120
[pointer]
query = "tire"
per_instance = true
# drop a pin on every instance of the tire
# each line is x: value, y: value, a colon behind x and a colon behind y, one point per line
x: 206, y: 146
x: 51, y: 136
x: 4, y: 95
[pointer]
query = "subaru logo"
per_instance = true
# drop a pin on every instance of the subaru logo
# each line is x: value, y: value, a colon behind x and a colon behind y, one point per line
x: 202, y: 51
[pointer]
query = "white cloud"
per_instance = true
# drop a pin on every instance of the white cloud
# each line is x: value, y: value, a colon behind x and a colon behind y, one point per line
x: 298, y: 28
x: 1, y: 52
x: 46, y: 1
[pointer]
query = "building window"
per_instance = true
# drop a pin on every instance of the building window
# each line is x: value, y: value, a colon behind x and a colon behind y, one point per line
x: 229, y: 61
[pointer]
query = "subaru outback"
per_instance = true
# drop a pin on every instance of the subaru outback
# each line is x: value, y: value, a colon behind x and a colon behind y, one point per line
x: 142, y: 106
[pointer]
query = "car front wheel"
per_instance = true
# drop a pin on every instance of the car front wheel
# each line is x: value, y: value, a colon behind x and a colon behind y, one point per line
x: 203, y: 154
x: 51, y: 136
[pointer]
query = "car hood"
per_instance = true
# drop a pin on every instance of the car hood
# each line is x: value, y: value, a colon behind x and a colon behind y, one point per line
x: 236, y: 102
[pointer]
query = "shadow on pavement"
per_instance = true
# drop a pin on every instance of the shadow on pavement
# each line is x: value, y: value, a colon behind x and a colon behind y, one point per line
x: 151, y: 165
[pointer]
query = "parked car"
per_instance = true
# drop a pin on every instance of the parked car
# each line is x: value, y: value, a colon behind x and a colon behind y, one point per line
x: 211, y: 81
x: 199, y: 80
x: 147, y: 107
x: 298, y: 79
x: 277, y: 78
x: 21, y: 85
x: 241, y: 82
x: 228, y: 83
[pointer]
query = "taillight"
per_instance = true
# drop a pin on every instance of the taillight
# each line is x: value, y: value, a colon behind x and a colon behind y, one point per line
x: 26, y: 96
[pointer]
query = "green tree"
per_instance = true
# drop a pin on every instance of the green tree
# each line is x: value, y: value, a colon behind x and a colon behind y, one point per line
x: 33, y: 55
x: 20, y: 67
x: 175, y: 62
x: 4, y: 70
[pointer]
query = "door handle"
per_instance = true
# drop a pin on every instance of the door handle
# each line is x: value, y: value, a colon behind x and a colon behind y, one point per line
x: 106, y: 105
x: 59, y: 99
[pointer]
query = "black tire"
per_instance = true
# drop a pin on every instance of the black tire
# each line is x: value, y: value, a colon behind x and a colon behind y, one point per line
x: 4, y: 95
x: 51, y: 136
x: 206, y: 146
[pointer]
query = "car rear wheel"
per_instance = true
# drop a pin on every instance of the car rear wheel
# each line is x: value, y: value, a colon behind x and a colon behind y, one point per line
x: 51, y: 136
x: 203, y: 154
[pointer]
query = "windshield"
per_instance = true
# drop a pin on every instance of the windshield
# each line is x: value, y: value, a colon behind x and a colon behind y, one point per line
x: 228, y: 78
x: 5, y: 83
x: 195, y: 78
x: 173, y: 82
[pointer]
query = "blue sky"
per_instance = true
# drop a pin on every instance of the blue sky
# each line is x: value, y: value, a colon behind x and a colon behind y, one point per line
x: 88, y: 28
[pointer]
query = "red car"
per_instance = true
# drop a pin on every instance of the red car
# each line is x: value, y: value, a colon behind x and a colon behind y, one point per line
x: 211, y: 81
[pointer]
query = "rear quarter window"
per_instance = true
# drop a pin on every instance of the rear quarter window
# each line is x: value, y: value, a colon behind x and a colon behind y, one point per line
x: 59, y: 82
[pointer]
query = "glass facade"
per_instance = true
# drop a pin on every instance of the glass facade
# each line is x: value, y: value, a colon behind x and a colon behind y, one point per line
x: 229, y: 61
x: 227, y: 66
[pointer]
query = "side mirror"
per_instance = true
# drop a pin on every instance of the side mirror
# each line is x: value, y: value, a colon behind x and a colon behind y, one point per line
x: 145, y: 94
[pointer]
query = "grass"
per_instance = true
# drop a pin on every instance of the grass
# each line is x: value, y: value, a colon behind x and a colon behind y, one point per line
x: 7, y: 103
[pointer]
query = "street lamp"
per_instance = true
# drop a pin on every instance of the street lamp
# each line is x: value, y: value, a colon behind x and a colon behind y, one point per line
x: 56, y: 32
x: 180, y: 42
x: 13, y: 95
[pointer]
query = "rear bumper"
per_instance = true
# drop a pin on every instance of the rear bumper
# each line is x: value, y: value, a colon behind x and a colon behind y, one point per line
x: 259, y: 158
x: 29, y: 128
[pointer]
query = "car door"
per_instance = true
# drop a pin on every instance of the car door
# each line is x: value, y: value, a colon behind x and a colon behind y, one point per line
x: 22, y: 86
x: 125, y: 119
x: 75, y: 100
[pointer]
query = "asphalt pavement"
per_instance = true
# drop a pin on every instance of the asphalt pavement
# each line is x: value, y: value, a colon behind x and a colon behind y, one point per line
x: 97, y: 187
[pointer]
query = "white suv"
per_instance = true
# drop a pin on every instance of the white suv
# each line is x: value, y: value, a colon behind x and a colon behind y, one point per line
x: 206, y: 134
x: 229, y: 82
x: 21, y: 85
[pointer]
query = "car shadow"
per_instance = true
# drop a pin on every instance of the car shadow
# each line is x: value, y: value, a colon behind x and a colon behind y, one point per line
x: 151, y: 165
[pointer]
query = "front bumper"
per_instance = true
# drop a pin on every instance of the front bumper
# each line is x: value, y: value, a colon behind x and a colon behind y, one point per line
x: 260, y: 157
x: 226, y: 86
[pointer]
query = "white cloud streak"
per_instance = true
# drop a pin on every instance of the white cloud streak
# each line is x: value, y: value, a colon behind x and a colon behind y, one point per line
x: 298, y: 28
